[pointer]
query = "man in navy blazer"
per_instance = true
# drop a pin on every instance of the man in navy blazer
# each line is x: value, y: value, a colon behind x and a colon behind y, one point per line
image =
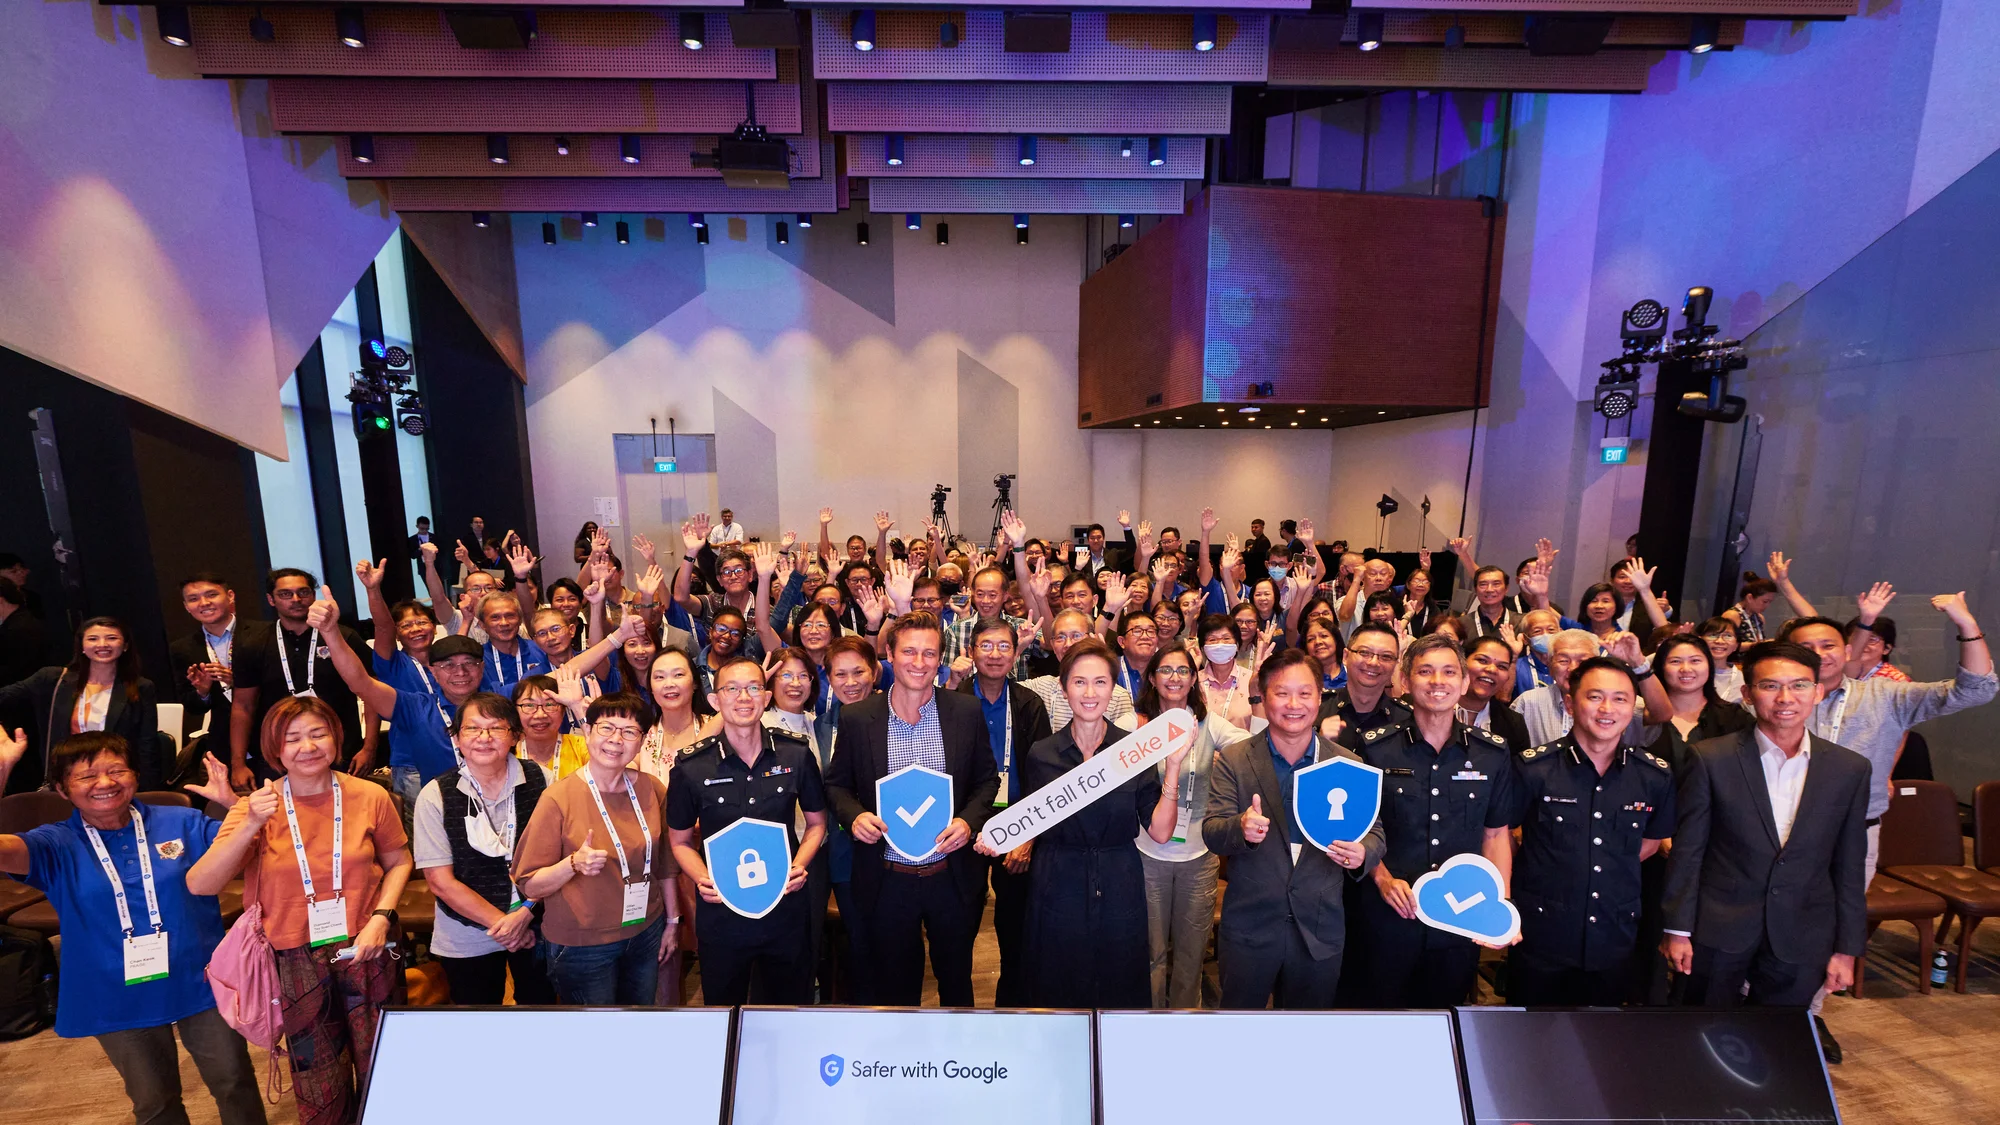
x: 1765, y: 881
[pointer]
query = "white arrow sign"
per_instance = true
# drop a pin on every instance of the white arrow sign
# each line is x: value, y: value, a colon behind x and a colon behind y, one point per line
x: 1097, y: 775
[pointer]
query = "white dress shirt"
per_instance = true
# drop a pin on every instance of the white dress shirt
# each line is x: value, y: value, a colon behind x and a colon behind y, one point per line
x: 1786, y: 780
x: 731, y: 532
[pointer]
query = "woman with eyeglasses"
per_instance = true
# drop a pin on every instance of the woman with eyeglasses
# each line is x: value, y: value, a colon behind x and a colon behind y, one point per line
x: 100, y: 689
x: 545, y: 704
x: 1720, y: 635
x: 725, y: 640
x: 1225, y: 685
x: 467, y: 822
x: 595, y: 855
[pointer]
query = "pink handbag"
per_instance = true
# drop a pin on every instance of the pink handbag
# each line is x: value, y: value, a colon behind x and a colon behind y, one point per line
x: 244, y: 974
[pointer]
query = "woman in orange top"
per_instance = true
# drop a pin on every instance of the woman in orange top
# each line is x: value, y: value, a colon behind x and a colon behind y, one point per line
x: 325, y: 855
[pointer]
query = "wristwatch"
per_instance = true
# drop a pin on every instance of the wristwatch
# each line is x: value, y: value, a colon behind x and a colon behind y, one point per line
x: 1641, y: 672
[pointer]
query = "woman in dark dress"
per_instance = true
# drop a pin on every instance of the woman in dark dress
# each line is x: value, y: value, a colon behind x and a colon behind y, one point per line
x: 1086, y: 935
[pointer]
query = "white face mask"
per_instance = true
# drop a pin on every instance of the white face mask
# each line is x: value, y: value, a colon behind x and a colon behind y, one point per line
x: 1219, y: 654
x: 481, y: 837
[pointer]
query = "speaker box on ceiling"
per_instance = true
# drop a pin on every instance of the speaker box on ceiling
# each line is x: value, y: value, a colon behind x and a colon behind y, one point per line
x: 1308, y: 33
x: 492, y: 29
x: 1566, y: 35
x: 1037, y: 33
x: 766, y: 28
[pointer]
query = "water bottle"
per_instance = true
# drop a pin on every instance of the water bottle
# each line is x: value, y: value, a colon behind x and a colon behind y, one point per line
x: 1941, y: 968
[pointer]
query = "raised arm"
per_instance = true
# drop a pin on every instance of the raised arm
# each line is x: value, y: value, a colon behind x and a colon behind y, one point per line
x: 522, y: 562
x: 378, y: 606
x: 826, y: 533
x: 434, y: 582
x: 1311, y: 545
x: 882, y: 525
x: 1642, y: 589
x: 13, y: 849
x: 325, y: 618
x: 694, y: 533
x: 1204, y: 571
x: 1781, y: 576
x: 764, y: 556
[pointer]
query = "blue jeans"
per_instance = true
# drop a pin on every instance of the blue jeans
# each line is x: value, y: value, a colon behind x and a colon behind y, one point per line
x: 623, y: 972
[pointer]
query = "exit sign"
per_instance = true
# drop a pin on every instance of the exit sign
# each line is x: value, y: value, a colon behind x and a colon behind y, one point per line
x: 1611, y: 455
x: 665, y: 465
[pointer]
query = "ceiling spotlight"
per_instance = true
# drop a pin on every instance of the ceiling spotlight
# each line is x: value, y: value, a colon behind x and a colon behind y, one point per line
x: 1125, y: 147
x: 892, y: 150
x: 1249, y: 409
x: 861, y: 234
x: 1126, y: 222
x: 261, y: 29
x: 947, y: 34
x: 1204, y: 31
x: 1021, y: 235
x: 1025, y: 150
x: 362, y: 145
x: 1703, y: 31
x: 1156, y: 151
x: 944, y: 234
x: 805, y: 221
x: 1322, y: 419
x: 863, y: 29
x: 349, y: 25
x: 562, y: 146
x: 482, y: 220
x: 701, y: 236
x: 913, y: 221
x: 784, y: 232
x: 548, y: 234
x: 589, y: 218
x: 1368, y: 28
x: 697, y: 220
x: 174, y: 27
x: 496, y: 147
x: 1020, y: 221
x: 628, y: 148
x: 693, y: 30
x: 624, y: 232
x: 1617, y: 398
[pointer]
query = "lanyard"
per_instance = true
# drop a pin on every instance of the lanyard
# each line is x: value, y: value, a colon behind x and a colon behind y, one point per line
x: 437, y: 701
x: 645, y: 833
x: 284, y: 662
x: 1124, y: 681
x: 215, y: 657
x: 118, y: 883
x: 499, y: 676
x: 1839, y: 716
x: 1007, y: 737
x: 299, y: 843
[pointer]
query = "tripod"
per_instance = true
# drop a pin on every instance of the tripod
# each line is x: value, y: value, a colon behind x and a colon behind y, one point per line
x: 938, y: 514
x: 1002, y: 503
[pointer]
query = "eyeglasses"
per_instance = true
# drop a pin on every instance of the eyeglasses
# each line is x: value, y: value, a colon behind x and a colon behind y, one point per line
x: 539, y: 705
x: 1175, y: 672
x: 550, y: 630
x: 724, y: 631
x: 617, y: 733
x: 995, y: 648
x: 1142, y: 631
x: 1374, y: 654
x: 1071, y: 636
x: 732, y: 571
x: 485, y: 732
x: 739, y: 691
x: 794, y: 677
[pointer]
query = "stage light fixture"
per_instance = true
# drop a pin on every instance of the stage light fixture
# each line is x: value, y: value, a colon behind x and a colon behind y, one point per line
x: 624, y: 232
x: 892, y: 150
x: 861, y: 234
x: 350, y: 25
x: 1020, y: 220
x: 1249, y: 410
x: 175, y: 29
x: 1156, y: 151
x: 496, y: 147
x: 414, y: 420
x: 701, y: 236
x: 805, y: 221
x: 947, y: 34
x: 784, y: 233
x: 694, y: 29
x: 863, y: 29
x: 548, y: 234
x: 482, y: 220
x: 1703, y: 31
x: 1617, y: 395
x: 944, y: 234
x: 1021, y: 235
x: 362, y: 146
x: 589, y: 218
x: 1204, y: 31
x: 1125, y: 147
x: 1024, y: 150
x: 1454, y: 36
x: 697, y: 220
x: 562, y: 146
x: 1126, y: 222
x: 261, y: 29
x: 913, y: 221
x: 1368, y: 30
x: 628, y: 148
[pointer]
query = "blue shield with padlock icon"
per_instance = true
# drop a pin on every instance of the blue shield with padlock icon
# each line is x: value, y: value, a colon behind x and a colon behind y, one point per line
x: 749, y: 862
x: 1336, y: 800
x: 915, y: 802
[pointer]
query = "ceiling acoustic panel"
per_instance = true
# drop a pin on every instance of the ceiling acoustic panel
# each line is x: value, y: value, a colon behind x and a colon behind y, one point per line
x: 613, y: 195
x: 992, y: 156
x: 453, y: 155
x: 1104, y: 47
x: 1810, y: 9
x: 274, y: 4
x: 418, y: 43
x: 527, y: 105
x: 1028, y: 107
x: 1040, y: 197
x: 1169, y: 5
x: 1501, y: 30
x: 1424, y: 68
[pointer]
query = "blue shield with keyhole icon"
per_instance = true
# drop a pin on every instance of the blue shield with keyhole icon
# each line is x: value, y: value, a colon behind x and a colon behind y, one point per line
x: 1336, y: 800
x: 915, y: 802
x: 750, y: 861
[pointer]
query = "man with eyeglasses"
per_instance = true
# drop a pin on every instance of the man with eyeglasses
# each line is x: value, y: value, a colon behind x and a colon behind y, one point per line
x: 734, y: 572
x: 290, y: 658
x: 989, y: 595
x: 1069, y: 627
x: 902, y: 898
x: 765, y: 773
x: 1138, y: 640
x: 204, y: 676
x: 1364, y: 704
x: 461, y: 616
x: 1015, y: 720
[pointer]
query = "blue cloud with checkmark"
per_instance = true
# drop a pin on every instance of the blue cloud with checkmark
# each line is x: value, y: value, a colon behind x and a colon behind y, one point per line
x: 1463, y: 897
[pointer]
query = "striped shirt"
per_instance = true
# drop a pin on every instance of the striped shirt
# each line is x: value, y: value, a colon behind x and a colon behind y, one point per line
x: 919, y: 744
x: 958, y: 642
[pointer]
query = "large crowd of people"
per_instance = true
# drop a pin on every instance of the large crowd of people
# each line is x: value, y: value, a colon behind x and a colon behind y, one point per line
x: 1680, y: 811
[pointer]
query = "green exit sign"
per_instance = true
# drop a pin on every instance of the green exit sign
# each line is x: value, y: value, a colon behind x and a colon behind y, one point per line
x: 1611, y: 455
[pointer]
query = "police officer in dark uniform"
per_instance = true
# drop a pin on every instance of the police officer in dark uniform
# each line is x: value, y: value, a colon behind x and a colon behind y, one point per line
x: 1593, y: 810
x: 1364, y: 704
x: 749, y: 770
x: 1449, y: 789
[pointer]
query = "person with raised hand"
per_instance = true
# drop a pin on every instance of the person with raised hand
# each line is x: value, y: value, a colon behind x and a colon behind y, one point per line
x: 543, y: 703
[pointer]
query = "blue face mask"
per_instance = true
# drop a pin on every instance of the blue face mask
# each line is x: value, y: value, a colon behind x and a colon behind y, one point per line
x: 1541, y: 644
x: 1276, y: 572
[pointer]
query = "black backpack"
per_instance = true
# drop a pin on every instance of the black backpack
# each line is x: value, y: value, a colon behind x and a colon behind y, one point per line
x: 27, y: 983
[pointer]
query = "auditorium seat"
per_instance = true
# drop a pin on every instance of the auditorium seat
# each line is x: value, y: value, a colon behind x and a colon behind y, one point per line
x: 163, y: 798
x: 1986, y: 827
x: 20, y: 812
x: 1921, y: 845
x: 1893, y: 900
x: 17, y: 896
x: 418, y: 910
x: 39, y: 917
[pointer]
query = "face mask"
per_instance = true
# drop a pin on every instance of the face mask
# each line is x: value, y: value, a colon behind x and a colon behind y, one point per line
x: 1277, y: 573
x: 1219, y: 654
x: 1541, y: 644
x: 948, y: 590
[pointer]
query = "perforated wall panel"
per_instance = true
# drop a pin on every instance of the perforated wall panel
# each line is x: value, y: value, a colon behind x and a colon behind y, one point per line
x: 1104, y: 47
x: 1042, y: 197
x: 1426, y: 68
x: 526, y: 105
x: 417, y: 43
x: 997, y: 156
x: 1820, y: 8
x: 577, y: 3
x: 1027, y: 107
x: 1506, y: 30
x: 1210, y: 5
x: 449, y: 155
x: 613, y: 195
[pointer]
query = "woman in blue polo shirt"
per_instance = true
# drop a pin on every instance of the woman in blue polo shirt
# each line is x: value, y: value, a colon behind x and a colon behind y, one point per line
x: 134, y: 941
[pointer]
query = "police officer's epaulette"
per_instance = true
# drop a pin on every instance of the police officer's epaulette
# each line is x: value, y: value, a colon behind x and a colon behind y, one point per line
x: 700, y: 745
x: 1656, y: 760
x: 1533, y: 752
x: 1487, y: 736
x: 1381, y: 732
x: 782, y: 735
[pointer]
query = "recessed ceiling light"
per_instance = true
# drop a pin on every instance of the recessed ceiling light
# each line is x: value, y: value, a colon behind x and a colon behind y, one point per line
x: 1322, y: 419
x: 1225, y: 421
x: 1302, y: 410
x: 1294, y: 423
x: 1248, y: 409
x: 1381, y: 412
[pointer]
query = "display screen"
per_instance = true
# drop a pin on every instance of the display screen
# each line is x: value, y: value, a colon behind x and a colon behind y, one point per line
x: 1332, y: 1067
x: 857, y: 1066
x: 1663, y: 1066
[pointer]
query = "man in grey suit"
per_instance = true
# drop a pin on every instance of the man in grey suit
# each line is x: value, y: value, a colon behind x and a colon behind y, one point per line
x: 1765, y: 882
x: 1283, y: 923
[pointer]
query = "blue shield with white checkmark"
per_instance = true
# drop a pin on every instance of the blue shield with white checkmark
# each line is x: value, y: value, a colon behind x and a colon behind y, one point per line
x: 915, y: 803
x: 749, y: 862
x: 1463, y: 897
x: 1336, y: 800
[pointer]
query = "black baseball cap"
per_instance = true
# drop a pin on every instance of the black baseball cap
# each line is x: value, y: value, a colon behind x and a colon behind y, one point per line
x: 457, y: 644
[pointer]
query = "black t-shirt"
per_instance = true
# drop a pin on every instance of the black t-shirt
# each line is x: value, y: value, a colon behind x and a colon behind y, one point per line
x: 306, y: 658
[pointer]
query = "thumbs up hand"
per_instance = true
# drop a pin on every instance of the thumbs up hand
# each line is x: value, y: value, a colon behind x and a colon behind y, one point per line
x: 325, y: 613
x: 1255, y: 824
x: 587, y: 860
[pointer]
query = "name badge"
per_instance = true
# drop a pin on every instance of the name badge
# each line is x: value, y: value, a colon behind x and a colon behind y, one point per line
x: 717, y: 781
x: 1400, y: 772
x: 305, y: 693
x: 1000, y: 798
x: 145, y: 958
x: 326, y: 921
x: 1468, y: 775
x: 1182, y: 823
x: 636, y: 897
x: 1560, y: 800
